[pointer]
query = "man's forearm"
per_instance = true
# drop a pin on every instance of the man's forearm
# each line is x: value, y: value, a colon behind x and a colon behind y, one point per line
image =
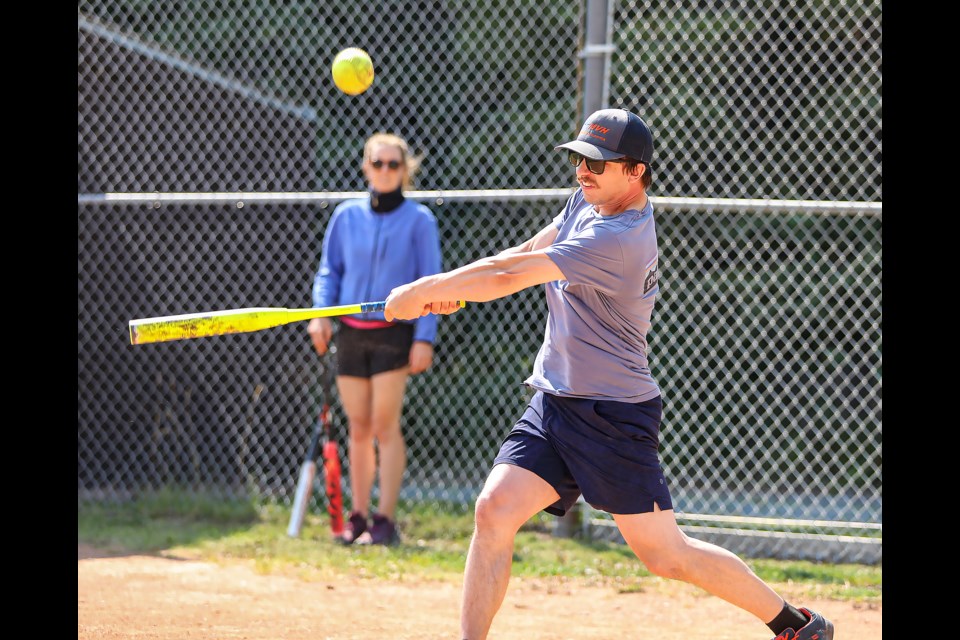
x: 480, y: 281
x: 488, y: 278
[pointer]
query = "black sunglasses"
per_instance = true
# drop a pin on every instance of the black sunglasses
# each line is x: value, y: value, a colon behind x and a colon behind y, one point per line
x: 392, y: 164
x: 595, y: 167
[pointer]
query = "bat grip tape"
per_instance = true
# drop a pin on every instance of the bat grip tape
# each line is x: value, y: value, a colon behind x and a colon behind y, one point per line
x: 366, y: 307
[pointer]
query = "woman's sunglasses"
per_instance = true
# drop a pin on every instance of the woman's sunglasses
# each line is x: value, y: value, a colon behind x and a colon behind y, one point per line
x: 595, y: 167
x: 393, y: 165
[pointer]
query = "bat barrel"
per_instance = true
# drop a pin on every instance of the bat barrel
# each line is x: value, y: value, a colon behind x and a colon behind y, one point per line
x: 301, y: 501
x: 200, y: 325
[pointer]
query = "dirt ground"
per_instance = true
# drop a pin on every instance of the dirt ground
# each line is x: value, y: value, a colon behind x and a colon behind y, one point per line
x: 166, y: 598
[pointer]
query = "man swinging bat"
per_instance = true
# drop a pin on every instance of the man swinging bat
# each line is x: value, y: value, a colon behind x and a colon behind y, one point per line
x: 592, y: 427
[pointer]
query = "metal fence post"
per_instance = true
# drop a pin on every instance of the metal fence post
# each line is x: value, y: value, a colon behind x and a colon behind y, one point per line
x: 597, y: 49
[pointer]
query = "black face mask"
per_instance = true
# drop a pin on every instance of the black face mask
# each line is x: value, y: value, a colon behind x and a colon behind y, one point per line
x: 384, y: 202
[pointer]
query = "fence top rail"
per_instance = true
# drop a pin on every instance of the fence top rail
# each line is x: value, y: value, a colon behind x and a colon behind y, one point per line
x: 666, y: 203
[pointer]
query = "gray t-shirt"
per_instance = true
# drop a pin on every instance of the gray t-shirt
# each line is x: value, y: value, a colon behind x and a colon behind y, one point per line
x: 595, y: 341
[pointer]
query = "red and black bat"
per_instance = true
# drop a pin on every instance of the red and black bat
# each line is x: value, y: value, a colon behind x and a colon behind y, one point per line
x: 331, y: 465
x: 332, y: 470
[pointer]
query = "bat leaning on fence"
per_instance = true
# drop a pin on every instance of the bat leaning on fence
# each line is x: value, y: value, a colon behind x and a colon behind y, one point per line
x: 216, y: 323
x: 331, y: 465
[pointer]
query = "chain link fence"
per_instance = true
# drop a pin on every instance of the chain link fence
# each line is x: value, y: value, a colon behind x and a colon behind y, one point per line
x: 767, y: 336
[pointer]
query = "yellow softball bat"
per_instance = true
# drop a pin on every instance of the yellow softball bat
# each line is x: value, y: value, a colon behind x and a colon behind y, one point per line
x: 217, y: 323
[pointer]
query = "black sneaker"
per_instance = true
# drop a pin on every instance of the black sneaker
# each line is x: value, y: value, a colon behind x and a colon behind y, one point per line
x: 382, y: 531
x: 817, y: 628
x: 353, y: 528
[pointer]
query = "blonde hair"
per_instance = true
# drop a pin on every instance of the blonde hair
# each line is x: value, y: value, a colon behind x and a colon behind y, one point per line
x: 391, y: 139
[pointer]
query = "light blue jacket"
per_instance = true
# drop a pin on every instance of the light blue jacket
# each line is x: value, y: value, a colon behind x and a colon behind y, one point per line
x: 366, y: 254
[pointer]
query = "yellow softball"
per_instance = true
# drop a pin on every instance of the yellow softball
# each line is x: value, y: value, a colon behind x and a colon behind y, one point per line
x: 352, y: 71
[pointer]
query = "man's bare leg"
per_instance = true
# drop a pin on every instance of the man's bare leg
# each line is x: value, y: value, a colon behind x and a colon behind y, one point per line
x: 510, y: 497
x: 667, y: 552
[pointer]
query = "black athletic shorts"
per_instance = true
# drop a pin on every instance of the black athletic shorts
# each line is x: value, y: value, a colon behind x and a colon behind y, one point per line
x: 367, y: 352
x: 606, y: 450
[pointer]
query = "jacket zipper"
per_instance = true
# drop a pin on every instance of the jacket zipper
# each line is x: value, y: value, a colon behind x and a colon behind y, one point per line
x: 375, y: 260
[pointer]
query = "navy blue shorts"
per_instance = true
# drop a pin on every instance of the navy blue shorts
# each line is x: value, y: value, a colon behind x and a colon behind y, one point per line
x: 606, y: 450
x: 367, y: 352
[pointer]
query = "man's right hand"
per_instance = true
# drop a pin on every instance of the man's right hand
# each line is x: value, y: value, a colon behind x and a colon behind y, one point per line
x: 321, y: 331
x: 403, y: 304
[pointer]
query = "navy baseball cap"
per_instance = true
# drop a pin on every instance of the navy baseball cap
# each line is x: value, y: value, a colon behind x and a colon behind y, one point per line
x: 609, y: 134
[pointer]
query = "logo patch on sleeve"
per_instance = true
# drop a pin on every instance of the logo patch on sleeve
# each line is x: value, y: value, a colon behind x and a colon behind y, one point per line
x: 651, y: 277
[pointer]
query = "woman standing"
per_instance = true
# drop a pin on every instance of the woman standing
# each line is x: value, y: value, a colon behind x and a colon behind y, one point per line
x: 370, y: 246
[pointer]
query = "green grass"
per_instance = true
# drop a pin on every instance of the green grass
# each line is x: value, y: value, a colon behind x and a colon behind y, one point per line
x: 434, y: 547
